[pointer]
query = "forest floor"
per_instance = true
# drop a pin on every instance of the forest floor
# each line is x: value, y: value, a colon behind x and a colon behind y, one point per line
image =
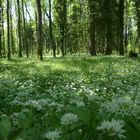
x: 70, y: 98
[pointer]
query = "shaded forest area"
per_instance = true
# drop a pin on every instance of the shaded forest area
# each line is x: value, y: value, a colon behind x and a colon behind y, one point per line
x: 61, y: 27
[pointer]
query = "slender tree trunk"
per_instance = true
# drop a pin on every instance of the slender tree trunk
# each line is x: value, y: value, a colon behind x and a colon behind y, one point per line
x: 8, y: 32
x: 24, y: 31
x: 92, y: 28
x: 137, y: 4
x: 109, y: 39
x: 53, y: 45
x: 19, y: 30
x: 121, y: 27
x: 30, y: 40
x: 1, y: 28
x: 0, y: 43
x: 65, y: 28
x: 3, y: 33
x: 108, y: 22
x: 62, y: 45
x: 11, y: 34
x: 126, y: 27
x: 39, y: 29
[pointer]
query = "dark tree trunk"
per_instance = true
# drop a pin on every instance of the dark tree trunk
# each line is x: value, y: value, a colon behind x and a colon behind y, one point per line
x: 126, y: 27
x: 39, y: 30
x: 121, y: 27
x: 19, y: 30
x: 108, y: 25
x: 61, y: 8
x: 109, y: 39
x: 62, y: 47
x: 11, y: 33
x: 137, y: 4
x: 3, y: 33
x: 1, y: 18
x: 0, y: 43
x: 92, y: 28
x: 30, y: 37
x: 24, y: 31
x: 8, y: 32
x: 53, y: 45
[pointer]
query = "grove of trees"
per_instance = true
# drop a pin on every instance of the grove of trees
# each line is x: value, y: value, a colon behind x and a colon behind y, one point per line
x: 61, y: 27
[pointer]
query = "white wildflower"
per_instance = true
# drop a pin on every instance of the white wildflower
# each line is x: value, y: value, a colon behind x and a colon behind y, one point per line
x: 113, y: 128
x: 69, y: 118
x: 44, y: 102
x: 33, y: 103
x: 119, y: 106
x: 77, y: 102
x: 80, y: 104
x: 52, y: 135
x: 60, y: 107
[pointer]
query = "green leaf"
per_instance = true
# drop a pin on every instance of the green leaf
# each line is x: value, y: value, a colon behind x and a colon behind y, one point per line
x: 83, y: 114
x: 133, y: 131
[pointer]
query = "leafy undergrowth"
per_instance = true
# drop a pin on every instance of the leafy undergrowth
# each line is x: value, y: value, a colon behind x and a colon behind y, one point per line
x: 79, y: 98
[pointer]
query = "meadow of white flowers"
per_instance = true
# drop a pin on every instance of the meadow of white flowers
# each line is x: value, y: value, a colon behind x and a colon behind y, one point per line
x: 89, y: 102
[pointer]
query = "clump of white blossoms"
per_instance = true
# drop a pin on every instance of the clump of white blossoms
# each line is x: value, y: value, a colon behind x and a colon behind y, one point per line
x: 69, y: 118
x: 35, y: 104
x: 77, y: 102
x: 113, y: 128
x: 52, y: 135
x: 119, y: 106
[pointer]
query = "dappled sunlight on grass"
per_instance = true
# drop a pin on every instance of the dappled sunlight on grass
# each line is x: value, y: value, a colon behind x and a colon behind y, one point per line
x: 68, y: 64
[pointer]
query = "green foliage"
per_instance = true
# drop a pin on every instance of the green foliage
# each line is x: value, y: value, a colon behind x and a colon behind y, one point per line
x: 5, y: 126
x: 70, y: 98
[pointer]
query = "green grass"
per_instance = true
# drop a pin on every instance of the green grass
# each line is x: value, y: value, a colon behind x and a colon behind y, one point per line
x: 35, y: 95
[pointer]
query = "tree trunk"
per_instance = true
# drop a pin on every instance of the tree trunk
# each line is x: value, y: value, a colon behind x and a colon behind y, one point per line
x: 8, y: 32
x: 39, y: 30
x: 11, y: 34
x: 30, y: 39
x: 24, y: 32
x: 61, y: 9
x: 3, y: 33
x: 1, y: 27
x: 53, y: 45
x: 126, y: 27
x: 92, y: 28
x: 108, y: 23
x: 19, y: 30
x: 121, y: 27
x: 137, y: 4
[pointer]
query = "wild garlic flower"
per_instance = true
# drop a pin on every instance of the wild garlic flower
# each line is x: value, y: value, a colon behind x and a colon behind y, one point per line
x: 113, y: 128
x: 69, y: 118
x: 80, y: 104
x: 77, y: 102
x: 44, y: 102
x: 33, y: 103
x: 119, y: 106
x: 52, y: 135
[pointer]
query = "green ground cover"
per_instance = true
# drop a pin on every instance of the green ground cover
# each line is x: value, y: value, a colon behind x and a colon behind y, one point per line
x: 72, y: 98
